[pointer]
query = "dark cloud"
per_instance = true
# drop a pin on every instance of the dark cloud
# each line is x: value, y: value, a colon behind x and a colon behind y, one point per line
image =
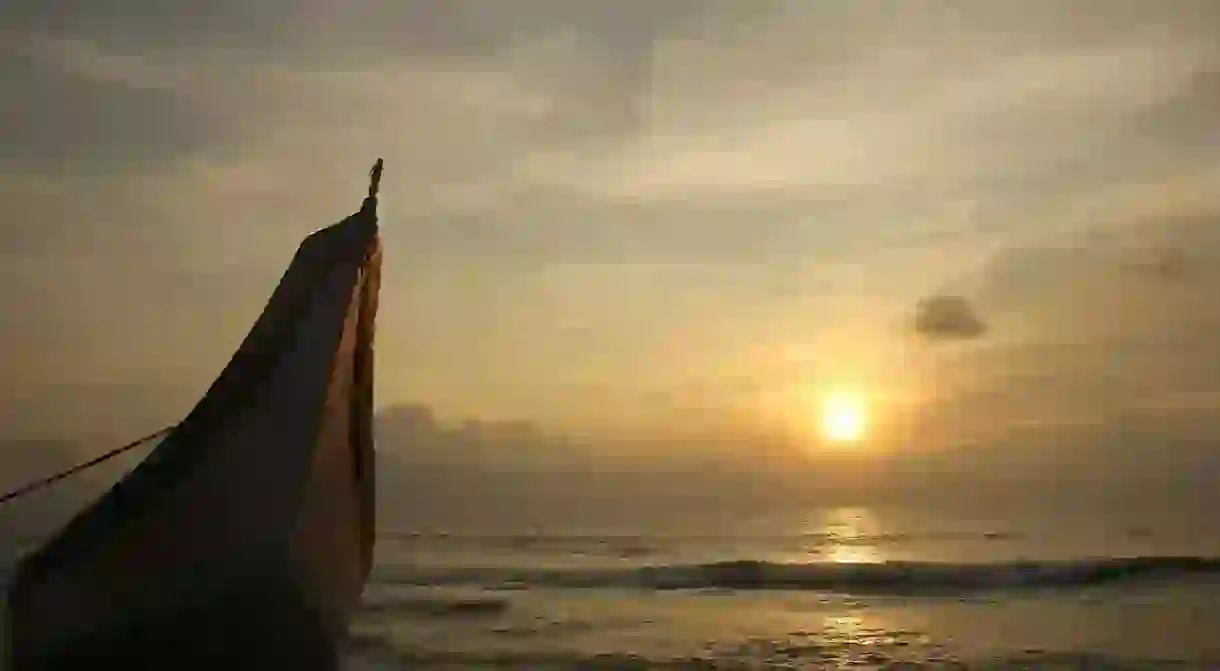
x: 143, y: 23
x: 461, y: 28
x: 457, y: 29
x: 948, y: 318
x: 1104, y: 265
x: 1186, y: 119
x: 1169, y: 265
x: 596, y: 78
x: 594, y: 60
x: 55, y: 121
x: 1091, y: 144
x: 1091, y: 23
x: 1018, y: 276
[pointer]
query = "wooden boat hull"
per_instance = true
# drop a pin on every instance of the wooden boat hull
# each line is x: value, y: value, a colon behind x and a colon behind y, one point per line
x: 246, y: 536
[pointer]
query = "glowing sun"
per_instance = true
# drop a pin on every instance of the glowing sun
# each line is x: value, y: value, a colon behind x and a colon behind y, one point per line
x: 843, y: 417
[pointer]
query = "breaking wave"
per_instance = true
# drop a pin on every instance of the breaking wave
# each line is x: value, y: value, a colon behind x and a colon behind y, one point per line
x: 883, y: 578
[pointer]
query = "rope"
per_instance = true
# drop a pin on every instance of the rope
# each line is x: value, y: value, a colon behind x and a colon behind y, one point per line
x: 48, y: 481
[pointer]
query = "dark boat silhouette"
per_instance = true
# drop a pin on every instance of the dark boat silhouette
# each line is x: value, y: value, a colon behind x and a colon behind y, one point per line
x: 244, y: 539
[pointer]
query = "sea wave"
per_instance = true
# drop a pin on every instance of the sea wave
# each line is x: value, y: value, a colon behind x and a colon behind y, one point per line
x: 881, y: 577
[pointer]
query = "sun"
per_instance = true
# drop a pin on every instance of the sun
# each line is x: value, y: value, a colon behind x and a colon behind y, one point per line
x: 843, y: 417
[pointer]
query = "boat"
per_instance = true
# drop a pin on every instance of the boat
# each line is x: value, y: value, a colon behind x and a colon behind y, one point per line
x: 244, y: 538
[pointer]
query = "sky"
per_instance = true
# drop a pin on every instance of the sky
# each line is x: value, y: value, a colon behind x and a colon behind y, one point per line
x: 998, y: 221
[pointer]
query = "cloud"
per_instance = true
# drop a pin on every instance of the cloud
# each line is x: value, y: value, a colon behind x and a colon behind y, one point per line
x: 456, y: 30
x: 57, y: 120
x: 1089, y: 343
x: 593, y: 63
x: 1186, y: 118
x: 753, y: 143
x: 440, y: 472
x: 1098, y: 277
x: 832, y: 112
x: 947, y: 318
x: 1168, y: 265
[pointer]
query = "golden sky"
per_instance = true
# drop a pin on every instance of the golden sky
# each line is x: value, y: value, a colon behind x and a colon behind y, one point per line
x: 681, y: 214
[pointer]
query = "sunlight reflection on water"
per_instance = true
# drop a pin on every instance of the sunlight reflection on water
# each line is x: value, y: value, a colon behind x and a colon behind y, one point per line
x: 847, y: 554
x: 844, y: 536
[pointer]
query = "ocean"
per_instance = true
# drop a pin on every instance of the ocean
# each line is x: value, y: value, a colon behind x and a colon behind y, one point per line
x: 840, y: 588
